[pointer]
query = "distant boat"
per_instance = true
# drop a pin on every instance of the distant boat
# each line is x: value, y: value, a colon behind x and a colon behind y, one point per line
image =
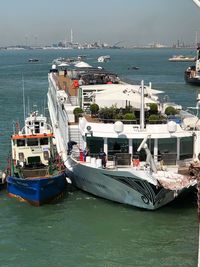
x: 81, y: 57
x: 65, y: 62
x: 104, y: 58
x: 37, y: 176
x: 33, y: 60
x: 59, y: 61
x: 133, y: 68
x: 181, y: 58
x: 192, y: 73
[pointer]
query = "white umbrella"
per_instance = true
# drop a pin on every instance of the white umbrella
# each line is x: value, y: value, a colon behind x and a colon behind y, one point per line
x: 63, y: 64
x: 120, y: 98
x: 82, y: 64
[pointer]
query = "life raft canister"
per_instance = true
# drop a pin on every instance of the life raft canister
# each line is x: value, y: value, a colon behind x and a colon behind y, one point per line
x: 76, y: 83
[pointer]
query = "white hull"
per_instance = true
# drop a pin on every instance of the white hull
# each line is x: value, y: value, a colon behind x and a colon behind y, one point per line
x: 120, y: 186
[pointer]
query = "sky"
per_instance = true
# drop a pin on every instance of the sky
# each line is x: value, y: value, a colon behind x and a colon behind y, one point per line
x: 131, y: 22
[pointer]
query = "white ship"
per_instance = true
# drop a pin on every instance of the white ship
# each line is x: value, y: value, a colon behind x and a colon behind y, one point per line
x: 181, y: 58
x: 104, y: 58
x: 148, y: 158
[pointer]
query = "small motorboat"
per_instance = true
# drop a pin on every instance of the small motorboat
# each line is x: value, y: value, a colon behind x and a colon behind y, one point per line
x: 133, y: 68
x: 33, y: 60
x: 104, y: 58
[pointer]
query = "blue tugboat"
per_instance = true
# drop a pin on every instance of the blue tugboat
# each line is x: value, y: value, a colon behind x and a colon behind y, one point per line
x: 36, y: 174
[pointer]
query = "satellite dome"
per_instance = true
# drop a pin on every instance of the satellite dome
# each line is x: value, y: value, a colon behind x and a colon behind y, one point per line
x: 53, y: 67
x: 118, y: 127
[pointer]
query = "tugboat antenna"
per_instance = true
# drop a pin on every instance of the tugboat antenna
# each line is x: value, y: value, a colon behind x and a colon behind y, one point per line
x: 23, y: 96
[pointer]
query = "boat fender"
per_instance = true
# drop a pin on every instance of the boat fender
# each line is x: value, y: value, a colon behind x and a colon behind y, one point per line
x: 136, y: 162
x: 76, y: 84
x: 162, y: 166
x: 3, y: 177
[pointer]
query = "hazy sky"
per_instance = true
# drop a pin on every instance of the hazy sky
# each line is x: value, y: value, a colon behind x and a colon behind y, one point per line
x: 130, y: 21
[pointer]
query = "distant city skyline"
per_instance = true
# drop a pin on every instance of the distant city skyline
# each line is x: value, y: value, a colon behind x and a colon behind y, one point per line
x: 128, y: 22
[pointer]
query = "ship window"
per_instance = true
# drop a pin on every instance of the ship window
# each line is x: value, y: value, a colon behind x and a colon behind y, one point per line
x: 21, y: 156
x: 44, y: 141
x: 34, y: 160
x: 37, y: 127
x: 186, y: 147
x: 46, y: 155
x: 32, y: 142
x: 119, y: 145
x: 142, y: 155
x: 167, y: 145
x: 21, y: 142
x: 94, y: 145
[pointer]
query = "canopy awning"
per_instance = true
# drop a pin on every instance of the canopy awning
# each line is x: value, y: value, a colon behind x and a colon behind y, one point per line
x: 121, y: 98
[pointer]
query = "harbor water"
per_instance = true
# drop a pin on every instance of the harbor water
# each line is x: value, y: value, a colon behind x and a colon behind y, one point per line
x: 83, y: 230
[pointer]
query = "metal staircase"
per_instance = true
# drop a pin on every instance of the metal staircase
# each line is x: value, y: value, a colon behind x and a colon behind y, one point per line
x: 75, y: 135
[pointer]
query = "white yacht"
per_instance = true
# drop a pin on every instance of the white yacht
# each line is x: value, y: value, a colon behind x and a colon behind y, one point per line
x: 104, y: 58
x: 181, y: 58
x: 149, y: 156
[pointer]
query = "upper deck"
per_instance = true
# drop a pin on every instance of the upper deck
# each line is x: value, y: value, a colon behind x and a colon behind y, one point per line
x: 81, y: 87
x: 72, y: 79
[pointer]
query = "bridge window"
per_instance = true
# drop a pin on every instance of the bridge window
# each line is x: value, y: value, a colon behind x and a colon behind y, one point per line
x: 21, y: 142
x: 43, y: 141
x: 32, y: 142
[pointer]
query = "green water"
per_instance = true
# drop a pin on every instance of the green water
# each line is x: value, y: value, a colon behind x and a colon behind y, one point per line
x: 82, y: 230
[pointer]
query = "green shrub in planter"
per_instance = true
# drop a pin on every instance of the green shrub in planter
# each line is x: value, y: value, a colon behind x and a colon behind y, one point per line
x: 129, y: 116
x: 119, y: 116
x: 154, y: 118
x: 77, y: 113
x: 108, y: 113
x: 153, y: 108
x: 170, y: 111
x: 94, y: 108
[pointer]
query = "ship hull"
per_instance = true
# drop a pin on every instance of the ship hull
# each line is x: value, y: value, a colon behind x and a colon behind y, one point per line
x: 120, y: 186
x: 37, y: 191
x: 192, y: 80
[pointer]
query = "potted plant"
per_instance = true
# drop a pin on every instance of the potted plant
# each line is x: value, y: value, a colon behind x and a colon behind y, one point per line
x: 153, y: 108
x: 94, y: 108
x: 108, y: 113
x: 154, y: 118
x: 170, y: 111
x: 129, y: 117
x: 77, y: 113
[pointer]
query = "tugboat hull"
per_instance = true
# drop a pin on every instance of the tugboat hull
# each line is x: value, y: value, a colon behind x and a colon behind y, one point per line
x: 37, y: 191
